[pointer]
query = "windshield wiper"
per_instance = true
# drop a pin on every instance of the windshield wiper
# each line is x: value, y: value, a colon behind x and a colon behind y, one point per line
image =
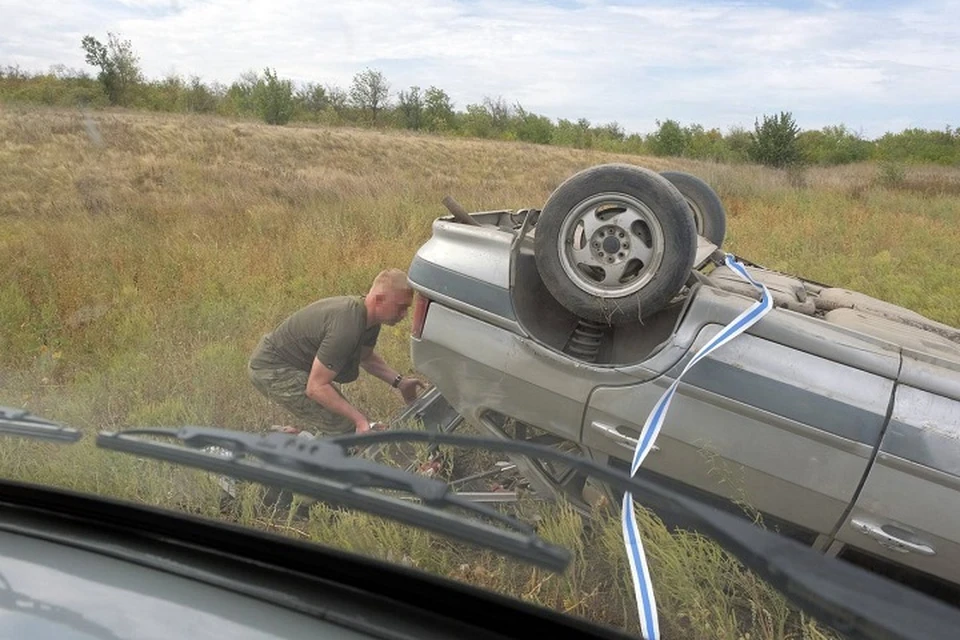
x: 851, y: 600
x: 324, y: 470
x: 18, y: 422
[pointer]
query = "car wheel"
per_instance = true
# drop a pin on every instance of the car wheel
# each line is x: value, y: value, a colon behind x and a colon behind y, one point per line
x: 708, y: 212
x: 614, y: 243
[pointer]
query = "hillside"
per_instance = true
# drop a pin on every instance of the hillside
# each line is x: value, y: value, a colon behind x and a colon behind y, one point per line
x: 143, y: 255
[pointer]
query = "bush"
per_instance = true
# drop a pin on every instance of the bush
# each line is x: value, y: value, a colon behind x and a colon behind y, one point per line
x: 670, y: 139
x: 774, y: 143
x: 921, y: 145
x: 833, y: 146
x: 273, y: 98
x: 891, y: 173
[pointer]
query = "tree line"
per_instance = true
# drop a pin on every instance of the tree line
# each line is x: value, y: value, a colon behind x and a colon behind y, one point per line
x: 369, y: 100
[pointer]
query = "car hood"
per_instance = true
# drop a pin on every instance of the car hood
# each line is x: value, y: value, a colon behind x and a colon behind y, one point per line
x: 49, y: 590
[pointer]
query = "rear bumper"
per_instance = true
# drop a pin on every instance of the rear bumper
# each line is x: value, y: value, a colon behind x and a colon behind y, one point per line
x: 479, y: 367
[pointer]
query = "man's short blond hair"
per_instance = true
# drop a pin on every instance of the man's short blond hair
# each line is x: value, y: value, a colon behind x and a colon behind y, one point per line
x: 390, y: 280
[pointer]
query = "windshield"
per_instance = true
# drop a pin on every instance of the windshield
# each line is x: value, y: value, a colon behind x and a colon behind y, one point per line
x: 203, y: 229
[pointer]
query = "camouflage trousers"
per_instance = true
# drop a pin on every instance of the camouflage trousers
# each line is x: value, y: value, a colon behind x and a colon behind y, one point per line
x: 286, y: 386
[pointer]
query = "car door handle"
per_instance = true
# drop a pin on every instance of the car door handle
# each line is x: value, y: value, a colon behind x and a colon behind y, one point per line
x: 621, y: 438
x: 890, y: 540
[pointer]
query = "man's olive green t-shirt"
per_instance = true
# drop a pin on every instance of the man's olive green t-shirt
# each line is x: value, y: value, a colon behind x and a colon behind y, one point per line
x: 331, y: 330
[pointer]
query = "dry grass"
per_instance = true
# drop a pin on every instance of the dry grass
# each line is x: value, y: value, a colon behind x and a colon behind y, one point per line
x: 143, y: 255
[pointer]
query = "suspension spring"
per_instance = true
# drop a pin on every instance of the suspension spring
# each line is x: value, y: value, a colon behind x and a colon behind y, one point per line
x: 585, y: 341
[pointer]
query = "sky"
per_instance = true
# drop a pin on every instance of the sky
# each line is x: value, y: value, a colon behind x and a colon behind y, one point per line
x: 873, y: 66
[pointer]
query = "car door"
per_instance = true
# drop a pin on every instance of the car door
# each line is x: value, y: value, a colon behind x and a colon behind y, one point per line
x: 778, y: 420
x: 908, y: 511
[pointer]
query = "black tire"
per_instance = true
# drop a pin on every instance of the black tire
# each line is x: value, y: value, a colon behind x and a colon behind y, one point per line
x: 709, y: 214
x: 651, y: 226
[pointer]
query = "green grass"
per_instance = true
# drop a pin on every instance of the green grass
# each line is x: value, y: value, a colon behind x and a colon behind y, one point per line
x: 138, y: 274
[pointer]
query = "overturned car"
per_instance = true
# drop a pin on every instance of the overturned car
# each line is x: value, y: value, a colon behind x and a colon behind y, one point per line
x: 836, y: 417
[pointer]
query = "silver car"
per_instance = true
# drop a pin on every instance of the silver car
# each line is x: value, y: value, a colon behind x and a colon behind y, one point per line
x: 836, y: 417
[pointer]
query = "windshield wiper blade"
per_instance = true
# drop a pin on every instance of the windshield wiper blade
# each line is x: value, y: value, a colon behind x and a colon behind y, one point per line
x: 851, y: 600
x: 18, y: 422
x: 323, y: 470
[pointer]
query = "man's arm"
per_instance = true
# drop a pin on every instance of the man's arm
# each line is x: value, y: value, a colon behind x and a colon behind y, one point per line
x: 376, y: 366
x: 373, y: 364
x: 320, y: 390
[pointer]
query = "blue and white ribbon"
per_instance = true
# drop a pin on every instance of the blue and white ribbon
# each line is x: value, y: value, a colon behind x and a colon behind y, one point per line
x: 643, y: 588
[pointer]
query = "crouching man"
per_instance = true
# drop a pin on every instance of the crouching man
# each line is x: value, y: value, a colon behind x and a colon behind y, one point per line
x: 301, y: 364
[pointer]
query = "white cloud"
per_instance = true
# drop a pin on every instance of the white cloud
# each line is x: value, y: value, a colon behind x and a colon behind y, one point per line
x: 718, y: 64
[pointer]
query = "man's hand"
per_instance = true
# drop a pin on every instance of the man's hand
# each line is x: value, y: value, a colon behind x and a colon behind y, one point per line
x: 408, y: 389
x: 362, y: 424
x: 376, y: 366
